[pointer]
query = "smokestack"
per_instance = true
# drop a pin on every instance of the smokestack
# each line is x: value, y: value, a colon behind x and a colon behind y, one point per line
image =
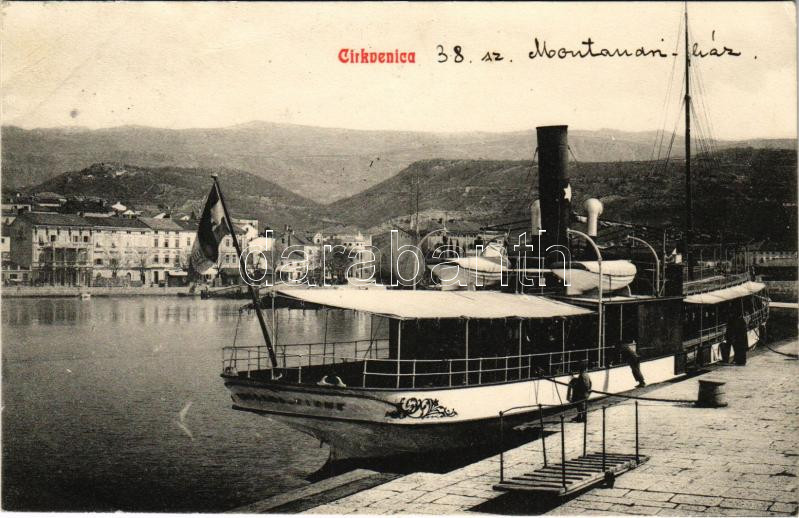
x: 593, y: 208
x: 554, y: 190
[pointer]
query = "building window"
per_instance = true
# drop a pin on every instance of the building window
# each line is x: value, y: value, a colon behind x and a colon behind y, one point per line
x: 166, y: 243
x: 155, y: 259
x: 98, y: 262
x: 155, y: 243
x: 52, y: 238
x: 85, y: 239
x: 75, y: 239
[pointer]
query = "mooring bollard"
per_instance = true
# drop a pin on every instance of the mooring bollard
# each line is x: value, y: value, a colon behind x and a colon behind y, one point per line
x: 711, y: 394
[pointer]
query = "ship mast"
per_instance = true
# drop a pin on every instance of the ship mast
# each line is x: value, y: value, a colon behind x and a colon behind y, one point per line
x: 689, y: 223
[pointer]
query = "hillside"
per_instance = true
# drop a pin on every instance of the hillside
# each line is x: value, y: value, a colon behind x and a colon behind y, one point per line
x: 323, y: 164
x: 184, y: 190
x: 748, y: 191
x: 751, y: 191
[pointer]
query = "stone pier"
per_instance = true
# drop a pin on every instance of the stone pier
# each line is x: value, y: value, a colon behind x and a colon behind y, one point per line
x: 737, y: 460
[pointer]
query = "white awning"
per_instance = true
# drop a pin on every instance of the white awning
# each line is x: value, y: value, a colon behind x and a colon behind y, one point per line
x: 406, y: 304
x: 716, y: 296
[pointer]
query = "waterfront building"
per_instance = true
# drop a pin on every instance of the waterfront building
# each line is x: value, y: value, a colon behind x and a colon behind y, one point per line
x: 97, y: 248
x: 121, y: 251
x: 170, y: 249
x: 309, y: 249
x: 56, y: 248
x: 228, y: 263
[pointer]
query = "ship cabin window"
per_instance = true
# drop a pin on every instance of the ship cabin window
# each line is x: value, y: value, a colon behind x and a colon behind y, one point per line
x: 436, y: 352
x: 493, y: 340
x: 655, y: 327
x: 489, y: 338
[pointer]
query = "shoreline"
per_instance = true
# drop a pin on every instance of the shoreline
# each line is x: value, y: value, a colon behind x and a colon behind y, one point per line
x: 94, y: 291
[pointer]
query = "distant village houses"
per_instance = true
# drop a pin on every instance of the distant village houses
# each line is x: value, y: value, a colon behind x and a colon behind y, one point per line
x: 51, y: 248
x: 50, y: 239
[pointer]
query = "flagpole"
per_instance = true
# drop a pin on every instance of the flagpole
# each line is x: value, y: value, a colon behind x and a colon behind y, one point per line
x: 256, y: 303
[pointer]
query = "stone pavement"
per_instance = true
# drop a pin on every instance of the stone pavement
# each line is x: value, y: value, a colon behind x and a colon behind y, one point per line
x: 740, y: 460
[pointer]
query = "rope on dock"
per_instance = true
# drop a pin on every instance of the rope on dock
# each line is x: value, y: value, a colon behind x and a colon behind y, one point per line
x: 789, y: 355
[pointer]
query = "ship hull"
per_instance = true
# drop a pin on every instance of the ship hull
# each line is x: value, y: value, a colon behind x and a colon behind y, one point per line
x: 363, y: 423
x: 369, y: 423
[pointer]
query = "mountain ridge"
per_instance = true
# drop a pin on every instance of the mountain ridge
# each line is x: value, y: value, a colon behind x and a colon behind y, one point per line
x: 184, y: 190
x: 323, y: 164
x: 463, y: 193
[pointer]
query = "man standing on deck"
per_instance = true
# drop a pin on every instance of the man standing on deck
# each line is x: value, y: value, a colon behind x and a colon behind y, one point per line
x: 579, y: 391
x: 628, y: 354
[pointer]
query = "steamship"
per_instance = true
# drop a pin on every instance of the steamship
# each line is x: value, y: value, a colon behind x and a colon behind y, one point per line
x: 433, y: 369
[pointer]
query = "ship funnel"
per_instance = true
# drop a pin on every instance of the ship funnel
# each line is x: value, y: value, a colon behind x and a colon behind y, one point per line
x: 554, y: 190
x: 593, y: 208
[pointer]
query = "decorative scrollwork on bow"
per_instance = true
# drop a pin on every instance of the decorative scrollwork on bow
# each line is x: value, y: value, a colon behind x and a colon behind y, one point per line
x: 416, y: 408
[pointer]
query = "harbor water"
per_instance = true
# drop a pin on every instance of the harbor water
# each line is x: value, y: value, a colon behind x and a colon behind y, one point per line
x: 117, y: 403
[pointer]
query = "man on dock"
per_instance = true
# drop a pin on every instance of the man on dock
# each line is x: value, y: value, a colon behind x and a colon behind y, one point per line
x: 735, y: 335
x: 579, y: 391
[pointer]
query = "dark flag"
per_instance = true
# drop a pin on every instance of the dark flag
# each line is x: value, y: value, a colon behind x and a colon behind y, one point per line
x: 210, y: 232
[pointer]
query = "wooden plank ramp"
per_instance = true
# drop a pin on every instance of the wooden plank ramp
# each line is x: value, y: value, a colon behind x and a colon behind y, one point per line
x: 580, y: 473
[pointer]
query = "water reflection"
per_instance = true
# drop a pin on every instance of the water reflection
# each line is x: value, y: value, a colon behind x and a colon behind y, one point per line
x: 92, y: 391
x: 26, y: 312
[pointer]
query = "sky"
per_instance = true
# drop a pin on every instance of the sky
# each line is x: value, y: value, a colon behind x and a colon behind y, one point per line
x: 190, y: 65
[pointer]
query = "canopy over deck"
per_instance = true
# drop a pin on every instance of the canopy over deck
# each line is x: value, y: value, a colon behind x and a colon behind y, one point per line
x: 406, y: 304
x: 716, y: 296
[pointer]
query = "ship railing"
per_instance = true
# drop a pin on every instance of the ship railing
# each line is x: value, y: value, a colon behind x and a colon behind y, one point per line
x: 376, y: 370
x: 713, y: 334
x: 246, y: 359
x: 714, y: 283
x: 452, y: 372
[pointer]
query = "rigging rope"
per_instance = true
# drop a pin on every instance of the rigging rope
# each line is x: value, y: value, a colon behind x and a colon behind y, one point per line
x: 236, y: 332
x: 658, y: 144
x: 627, y: 396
